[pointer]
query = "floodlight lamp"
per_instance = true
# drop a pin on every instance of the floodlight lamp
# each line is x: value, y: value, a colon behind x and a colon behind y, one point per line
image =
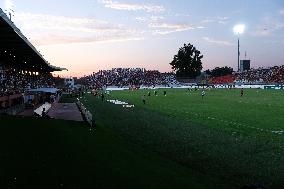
x: 239, y: 29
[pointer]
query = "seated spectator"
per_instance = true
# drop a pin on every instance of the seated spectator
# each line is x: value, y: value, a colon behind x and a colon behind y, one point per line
x: 125, y: 77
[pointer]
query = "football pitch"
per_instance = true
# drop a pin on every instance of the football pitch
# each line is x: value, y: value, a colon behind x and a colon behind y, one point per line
x: 175, y: 141
x: 47, y: 153
x: 239, y: 140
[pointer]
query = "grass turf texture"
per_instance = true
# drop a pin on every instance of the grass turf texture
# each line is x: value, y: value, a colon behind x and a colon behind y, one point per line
x: 40, y: 153
x: 224, y: 136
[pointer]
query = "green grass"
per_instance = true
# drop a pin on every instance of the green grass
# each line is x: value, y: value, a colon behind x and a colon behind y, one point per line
x: 40, y: 153
x: 66, y: 98
x: 222, y: 137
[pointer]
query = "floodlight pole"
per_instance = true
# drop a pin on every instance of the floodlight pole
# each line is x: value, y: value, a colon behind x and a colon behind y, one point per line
x: 238, y: 54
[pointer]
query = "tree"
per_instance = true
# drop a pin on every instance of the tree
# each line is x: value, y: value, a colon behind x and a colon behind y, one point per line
x: 217, y: 72
x: 187, y: 63
x: 208, y: 72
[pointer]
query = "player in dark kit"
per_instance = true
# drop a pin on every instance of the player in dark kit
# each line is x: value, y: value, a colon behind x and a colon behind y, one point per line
x: 155, y: 93
x: 242, y: 92
x: 165, y: 93
x: 143, y: 99
x: 149, y: 94
x: 102, y: 96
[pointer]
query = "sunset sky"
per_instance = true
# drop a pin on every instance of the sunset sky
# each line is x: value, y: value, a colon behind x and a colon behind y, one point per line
x: 89, y: 35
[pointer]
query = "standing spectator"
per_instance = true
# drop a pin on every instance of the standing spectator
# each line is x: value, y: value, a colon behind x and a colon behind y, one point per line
x: 102, y: 96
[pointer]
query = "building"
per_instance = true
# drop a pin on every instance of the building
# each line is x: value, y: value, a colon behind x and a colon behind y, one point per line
x: 244, y: 65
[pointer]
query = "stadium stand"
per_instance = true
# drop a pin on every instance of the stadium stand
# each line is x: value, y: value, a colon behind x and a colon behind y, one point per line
x: 222, y: 80
x: 140, y: 77
x: 125, y: 77
x: 22, y: 68
x: 270, y: 75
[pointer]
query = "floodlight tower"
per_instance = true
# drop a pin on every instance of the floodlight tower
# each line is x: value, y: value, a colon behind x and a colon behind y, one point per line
x: 239, y: 29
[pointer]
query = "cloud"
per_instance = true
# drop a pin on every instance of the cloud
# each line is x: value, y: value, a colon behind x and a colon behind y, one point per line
x: 54, y: 39
x: 208, y: 21
x: 170, y: 26
x: 218, y: 42
x: 167, y: 28
x: 9, y: 5
x: 200, y: 27
x: 219, y: 19
x: 149, y: 19
x: 181, y: 15
x: 131, y: 6
x: 267, y: 27
x: 282, y: 12
x: 156, y: 18
x: 50, y: 29
x: 61, y: 23
x: 158, y: 25
x: 140, y: 18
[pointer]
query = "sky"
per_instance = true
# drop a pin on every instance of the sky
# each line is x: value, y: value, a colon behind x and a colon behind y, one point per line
x: 91, y: 35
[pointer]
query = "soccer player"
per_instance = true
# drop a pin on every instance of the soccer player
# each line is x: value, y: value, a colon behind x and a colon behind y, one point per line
x: 149, y: 93
x: 155, y: 93
x: 165, y: 93
x: 143, y: 99
x: 102, y: 96
x: 202, y: 94
x: 242, y: 92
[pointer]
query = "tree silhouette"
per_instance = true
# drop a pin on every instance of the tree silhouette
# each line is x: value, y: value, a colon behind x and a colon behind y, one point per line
x: 187, y: 63
x: 220, y: 71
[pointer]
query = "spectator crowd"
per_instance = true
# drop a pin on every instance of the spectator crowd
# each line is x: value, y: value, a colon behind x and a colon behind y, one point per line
x: 13, y: 82
x: 125, y: 77
x: 271, y: 75
x: 222, y: 79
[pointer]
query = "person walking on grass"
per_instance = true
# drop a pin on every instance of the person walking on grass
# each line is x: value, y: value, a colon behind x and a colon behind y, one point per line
x: 202, y: 94
x: 242, y: 92
x: 155, y: 93
x: 144, y: 99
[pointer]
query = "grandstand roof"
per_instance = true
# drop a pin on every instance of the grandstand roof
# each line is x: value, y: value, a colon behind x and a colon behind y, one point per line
x: 16, y: 49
